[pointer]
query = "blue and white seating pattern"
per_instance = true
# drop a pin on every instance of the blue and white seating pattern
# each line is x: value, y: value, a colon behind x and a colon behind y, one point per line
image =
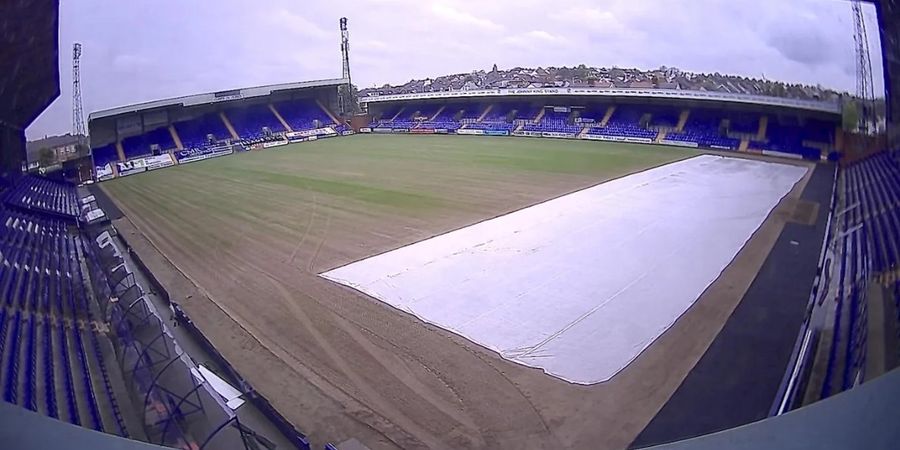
x: 873, y: 190
x: 705, y: 127
x: 303, y: 114
x: 789, y: 137
x: 104, y: 155
x: 193, y: 133
x: 45, y: 315
x: 663, y: 116
x: 868, y: 247
x: 702, y: 127
x: 142, y: 144
x: 625, y: 122
x: 446, y: 119
x: 847, y: 352
x: 554, y: 122
x: 248, y: 122
x: 42, y: 194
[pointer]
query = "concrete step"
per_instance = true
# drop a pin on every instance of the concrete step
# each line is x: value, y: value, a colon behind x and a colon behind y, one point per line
x: 682, y: 120
x: 485, y: 113
x: 228, y: 126
x: 176, y: 137
x: 280, y: 119
x: 540, y: 115
x: 334, y: 118
x: 398, y: 114
x: 763, y: 126
x: 439, y: 111
x: 120, y: 150
x: 608, y: 115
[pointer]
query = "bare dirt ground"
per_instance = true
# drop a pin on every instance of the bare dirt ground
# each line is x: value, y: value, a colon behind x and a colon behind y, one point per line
x: 339, y: 364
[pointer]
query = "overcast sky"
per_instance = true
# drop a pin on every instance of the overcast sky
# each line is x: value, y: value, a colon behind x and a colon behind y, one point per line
x: 142, y: 50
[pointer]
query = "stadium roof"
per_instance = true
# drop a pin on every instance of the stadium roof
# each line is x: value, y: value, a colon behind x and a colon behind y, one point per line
x: 29, y: 81
x: 214, y: 97
x: 674, y: 94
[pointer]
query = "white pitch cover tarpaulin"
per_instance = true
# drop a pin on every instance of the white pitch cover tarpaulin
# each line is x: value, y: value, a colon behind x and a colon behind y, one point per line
x: 579, y: 285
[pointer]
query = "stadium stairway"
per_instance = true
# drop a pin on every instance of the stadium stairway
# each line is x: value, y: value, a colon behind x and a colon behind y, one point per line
x: 608, y: 115
x: 175, y: 137
x: 398, y: 114
x: 660, y: 136
x: 763, y: 126
x: 439, y: 111
x: 540, y: 115
x: 485, y: 113
x: 333, y: 118
x: 227, y: 123
x: 745, y: 144
x: 172, y: 155
x: 725, y: 124
x: 682, y: 120
x: 120, y: 150
x: 585, y: 129
x: 280, y: 119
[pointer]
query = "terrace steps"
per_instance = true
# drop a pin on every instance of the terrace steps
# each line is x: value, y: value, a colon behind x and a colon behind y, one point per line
x: 661, y: 136
x: 682, y: 120
x: 745, y: 144
x: 176, y: 137
x: 540, y: 115
x: 608, y: 115
x: 485, y: 113
x: 120, y: 150
x: 279, y: 117
x: 585, y: 129
x: 328, y: 112
x: 763, y: 126
x: 227, y: 123
x: 439, y: 111
x: 398, y: 114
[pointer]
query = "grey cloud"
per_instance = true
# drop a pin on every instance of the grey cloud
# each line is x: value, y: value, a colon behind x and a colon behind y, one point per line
x: 804, y: 41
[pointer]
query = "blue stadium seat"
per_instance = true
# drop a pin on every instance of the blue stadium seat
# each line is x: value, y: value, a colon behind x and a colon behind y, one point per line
x: 249, y: 121
x: 11, y: 367
x: 193, y: 133
x: 303, y: 114
x: 141, y: 145
x: 49, y: 376
x: 42, y: 194
x: 104, y: 155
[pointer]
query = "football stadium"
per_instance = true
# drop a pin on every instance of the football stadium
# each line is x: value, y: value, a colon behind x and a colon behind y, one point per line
x: 570, y: 266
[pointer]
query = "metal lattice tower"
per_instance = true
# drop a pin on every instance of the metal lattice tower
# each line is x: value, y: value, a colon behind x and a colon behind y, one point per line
x: 77, y: 110
x: 345, y: 56
x: 865, y: 89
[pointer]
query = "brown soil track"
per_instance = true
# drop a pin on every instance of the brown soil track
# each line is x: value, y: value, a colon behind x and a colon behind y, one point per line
x: 339, y: 364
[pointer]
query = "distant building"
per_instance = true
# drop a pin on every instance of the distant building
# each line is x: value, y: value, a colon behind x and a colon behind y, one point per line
x: 641, y: 84
x: 56, y: 149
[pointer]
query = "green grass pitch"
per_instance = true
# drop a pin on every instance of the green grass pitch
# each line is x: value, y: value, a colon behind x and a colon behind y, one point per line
x: 397, y: 171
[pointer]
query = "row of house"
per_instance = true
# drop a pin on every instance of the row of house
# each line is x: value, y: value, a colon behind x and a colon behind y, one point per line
x: 584, y: 76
